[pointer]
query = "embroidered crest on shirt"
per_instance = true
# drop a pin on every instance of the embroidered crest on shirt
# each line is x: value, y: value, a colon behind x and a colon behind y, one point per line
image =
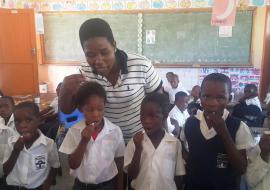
x: 40, y: 162
x: 222, y: 160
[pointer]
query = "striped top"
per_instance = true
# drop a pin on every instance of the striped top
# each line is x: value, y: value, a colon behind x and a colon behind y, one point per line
x: 137, y: 78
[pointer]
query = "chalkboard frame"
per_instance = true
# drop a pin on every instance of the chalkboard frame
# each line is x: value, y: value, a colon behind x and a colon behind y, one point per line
x: 156, y: 64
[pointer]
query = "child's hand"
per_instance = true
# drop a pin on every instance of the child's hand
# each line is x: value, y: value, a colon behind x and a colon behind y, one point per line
x: 217, y: 122
x: 265, y: 147
x: 137, y: 139
x: 19, y: 144
x: 87, y: 132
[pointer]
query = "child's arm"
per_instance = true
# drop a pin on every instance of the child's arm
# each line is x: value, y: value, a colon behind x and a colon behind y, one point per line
x: 48, y: 182
x: 10, y: 163
x: 75, y: 158
x: 119, y: 178
x: 134, y: 166
x: 259, y: 167
x: 237, y: 158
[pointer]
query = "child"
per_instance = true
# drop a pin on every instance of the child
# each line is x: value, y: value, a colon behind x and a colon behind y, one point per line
x: 249, y: 108
x: 179, y: 112
x: 258, y: 171
x: 153, y: 158
x: 95, y: 146
x: 6, y: 111
x: 175, y: 87
x: 30, y: 160
x: 195, y: 94
x: 217, y: 142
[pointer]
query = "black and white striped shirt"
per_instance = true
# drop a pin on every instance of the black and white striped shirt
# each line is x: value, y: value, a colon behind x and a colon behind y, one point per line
x: 137, y: 78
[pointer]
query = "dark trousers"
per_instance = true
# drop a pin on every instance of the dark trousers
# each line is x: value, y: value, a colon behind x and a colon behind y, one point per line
x: 108, y: 185
x: 127, y: 182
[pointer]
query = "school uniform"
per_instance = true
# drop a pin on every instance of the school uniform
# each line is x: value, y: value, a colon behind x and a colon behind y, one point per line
x: 98, y: 167
x: 179, y: 116
x: 158, y: 167
x: 10, y: 122
x: 33, y: 164
x: 258, y: 171
x: 254, y: 101
x: 207, y: 164
x: 5, y: 133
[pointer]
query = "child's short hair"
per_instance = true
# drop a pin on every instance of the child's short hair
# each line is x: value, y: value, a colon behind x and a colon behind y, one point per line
x: 95, y: 27
x: 218, y: 77
x: 88, y: 89
x: 29, y: 105
x: 9, y: 98
x: 250, y: 88
x: 159, y: 99
x: 180, y: 94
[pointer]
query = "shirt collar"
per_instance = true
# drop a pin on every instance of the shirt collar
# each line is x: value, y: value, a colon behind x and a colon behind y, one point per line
x: 107, y: 128
x: 40, y: 140
x: 167, y: 137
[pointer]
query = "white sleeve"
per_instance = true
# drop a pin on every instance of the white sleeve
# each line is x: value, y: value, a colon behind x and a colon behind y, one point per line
x: 120, y: 151
x: 69, y: 144
x: 257, y: 170
x: 152, y: 78
x: 129, y: 152
x: 170, y: 126
x: 53, y: 158
x: 244, y: 139
x: 180, y: 167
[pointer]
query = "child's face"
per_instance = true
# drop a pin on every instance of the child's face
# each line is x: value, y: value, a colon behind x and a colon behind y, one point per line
x: 174, y: 82
x: 6, y: 108
x: 93, y: 109
x: 182, y: 103
x: 26, y: 123
x: 151, y: 118
x: 195, y: 92
x: 214, y: 97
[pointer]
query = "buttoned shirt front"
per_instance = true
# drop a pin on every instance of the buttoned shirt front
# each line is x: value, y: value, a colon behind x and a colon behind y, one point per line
x: 33, y: 164
x: 98, y: 163
x: 179, y: 116
x: 159, y: 166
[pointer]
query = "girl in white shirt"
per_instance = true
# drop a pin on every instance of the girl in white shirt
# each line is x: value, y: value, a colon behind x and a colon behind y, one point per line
x: 95, y: 146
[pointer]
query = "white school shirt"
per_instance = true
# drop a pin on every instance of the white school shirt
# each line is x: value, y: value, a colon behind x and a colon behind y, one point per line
x: 173, y: 91
x: 179, y: 116
x: 254, y: 101
x: 158, y: 167
x: 33, y: 165
x: 11, y: 122
x: 98, y: 163
x: 5, y: 133
x: 243, y: 137
x: 258, y: 171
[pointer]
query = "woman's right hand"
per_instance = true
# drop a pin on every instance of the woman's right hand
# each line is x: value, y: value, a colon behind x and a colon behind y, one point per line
x: 72, y: 83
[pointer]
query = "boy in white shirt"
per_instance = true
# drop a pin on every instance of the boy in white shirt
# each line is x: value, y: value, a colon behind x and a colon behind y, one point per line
x: 95, y: 146
x: 153, y: 158
x: 30, y: 160
x: 6, y: 111
x: 179, y: 112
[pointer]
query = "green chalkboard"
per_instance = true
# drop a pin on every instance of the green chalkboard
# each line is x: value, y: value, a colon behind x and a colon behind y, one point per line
x: 189, y: 38
x: 61, y: 34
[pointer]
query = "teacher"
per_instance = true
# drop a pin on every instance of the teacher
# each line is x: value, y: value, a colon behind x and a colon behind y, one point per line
x: 127, y: 78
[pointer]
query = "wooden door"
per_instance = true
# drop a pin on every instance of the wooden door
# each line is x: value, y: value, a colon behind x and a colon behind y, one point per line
x: 18, y: 57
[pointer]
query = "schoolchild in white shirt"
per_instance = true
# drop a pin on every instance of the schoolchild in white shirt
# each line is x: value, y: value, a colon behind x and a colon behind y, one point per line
x: 31, y: 159
x: 95, y: 146
x: 6, y: 111
x: 153, y: 158
x: 179, y: 113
